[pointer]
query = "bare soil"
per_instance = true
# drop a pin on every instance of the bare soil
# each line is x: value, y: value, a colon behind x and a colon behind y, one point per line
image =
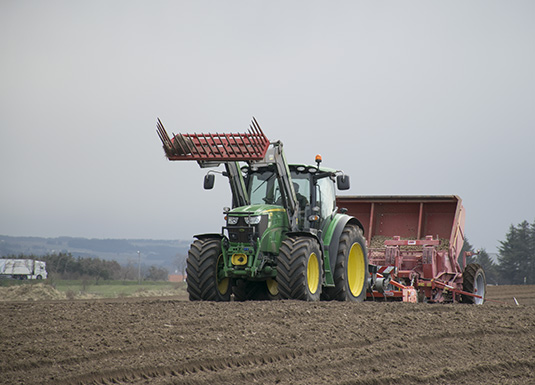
x: 169, y: 340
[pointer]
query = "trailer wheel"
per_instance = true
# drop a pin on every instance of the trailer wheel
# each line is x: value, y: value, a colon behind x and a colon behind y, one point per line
x: 351, y: 269
x: 256, y: 290
x: 204, y: 267
x: 299, y: 269
x: 474, y: 281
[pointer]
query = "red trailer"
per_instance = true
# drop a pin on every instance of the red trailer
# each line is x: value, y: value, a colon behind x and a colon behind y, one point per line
x: 414, y: 243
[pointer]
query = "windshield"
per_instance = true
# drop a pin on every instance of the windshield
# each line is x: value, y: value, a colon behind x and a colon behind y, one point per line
x: 301, y: 183
x: 264, y: 188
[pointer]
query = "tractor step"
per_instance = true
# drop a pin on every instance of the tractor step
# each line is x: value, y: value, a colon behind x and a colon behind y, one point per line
x: 250, y: 146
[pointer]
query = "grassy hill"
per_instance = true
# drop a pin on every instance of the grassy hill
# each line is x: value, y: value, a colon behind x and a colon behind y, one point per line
x: 162, y: 253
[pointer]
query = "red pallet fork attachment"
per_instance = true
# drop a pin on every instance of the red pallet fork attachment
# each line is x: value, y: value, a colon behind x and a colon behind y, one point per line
x: 250, y: 146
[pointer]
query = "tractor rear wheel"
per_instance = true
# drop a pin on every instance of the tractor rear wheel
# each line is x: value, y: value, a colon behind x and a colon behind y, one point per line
x: 475, y: 282
x: 204, y: 268
x: 255, y: 290
x: 351, y: 269
x: 299, y: 269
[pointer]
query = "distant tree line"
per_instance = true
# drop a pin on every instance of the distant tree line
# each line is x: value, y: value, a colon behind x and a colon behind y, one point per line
x: 517, y: 254
x: 65, y: 266
x: 516, y: 259
x: 515, y: 265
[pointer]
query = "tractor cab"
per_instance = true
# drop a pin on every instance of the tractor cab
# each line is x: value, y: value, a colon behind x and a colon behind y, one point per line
x: 314, y: 187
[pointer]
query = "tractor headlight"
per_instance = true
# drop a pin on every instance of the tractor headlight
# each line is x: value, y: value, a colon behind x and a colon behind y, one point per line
x: 253, y: 220
x: 232, y: 220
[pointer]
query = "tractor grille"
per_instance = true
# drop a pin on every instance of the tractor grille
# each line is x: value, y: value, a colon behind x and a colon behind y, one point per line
x: 244, y: 233
x: 240, y: 234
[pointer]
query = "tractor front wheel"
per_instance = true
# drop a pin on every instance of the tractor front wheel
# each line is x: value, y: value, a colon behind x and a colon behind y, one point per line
x: 204, y: 268
x: 474, y: 282
x: 299, y: 269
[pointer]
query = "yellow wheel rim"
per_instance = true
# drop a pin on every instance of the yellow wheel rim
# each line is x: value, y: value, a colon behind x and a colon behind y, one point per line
x: 356, y: 269
x: 272, y: 286
x: 313, y: 273
x: 222, y: 284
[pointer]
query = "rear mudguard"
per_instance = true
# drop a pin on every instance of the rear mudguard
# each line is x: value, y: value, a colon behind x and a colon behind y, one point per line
x: 333, y: 234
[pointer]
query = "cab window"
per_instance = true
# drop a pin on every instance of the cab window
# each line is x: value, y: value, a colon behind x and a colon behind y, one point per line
x: 326, y: 196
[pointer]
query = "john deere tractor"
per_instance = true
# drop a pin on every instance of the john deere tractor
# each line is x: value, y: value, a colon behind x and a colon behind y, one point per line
x: 284, y: 237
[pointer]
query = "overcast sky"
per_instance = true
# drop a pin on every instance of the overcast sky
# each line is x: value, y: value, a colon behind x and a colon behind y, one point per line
x: 407, y: 97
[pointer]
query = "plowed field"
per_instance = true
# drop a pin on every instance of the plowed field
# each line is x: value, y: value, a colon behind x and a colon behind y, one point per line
x: 173, y: 341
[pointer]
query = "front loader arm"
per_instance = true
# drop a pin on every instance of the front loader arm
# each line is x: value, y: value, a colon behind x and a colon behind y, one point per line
x: 289, y: 197
x: 240, y: 197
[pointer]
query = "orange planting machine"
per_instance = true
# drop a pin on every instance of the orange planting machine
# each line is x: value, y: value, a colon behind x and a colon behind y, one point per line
x: 413, y: 244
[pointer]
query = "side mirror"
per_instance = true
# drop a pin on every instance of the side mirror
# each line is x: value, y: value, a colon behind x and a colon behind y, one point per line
x: 209, y: 180
x: 342, y: 182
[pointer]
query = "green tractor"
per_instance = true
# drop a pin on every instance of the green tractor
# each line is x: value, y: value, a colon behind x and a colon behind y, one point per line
x: 284, y: 237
